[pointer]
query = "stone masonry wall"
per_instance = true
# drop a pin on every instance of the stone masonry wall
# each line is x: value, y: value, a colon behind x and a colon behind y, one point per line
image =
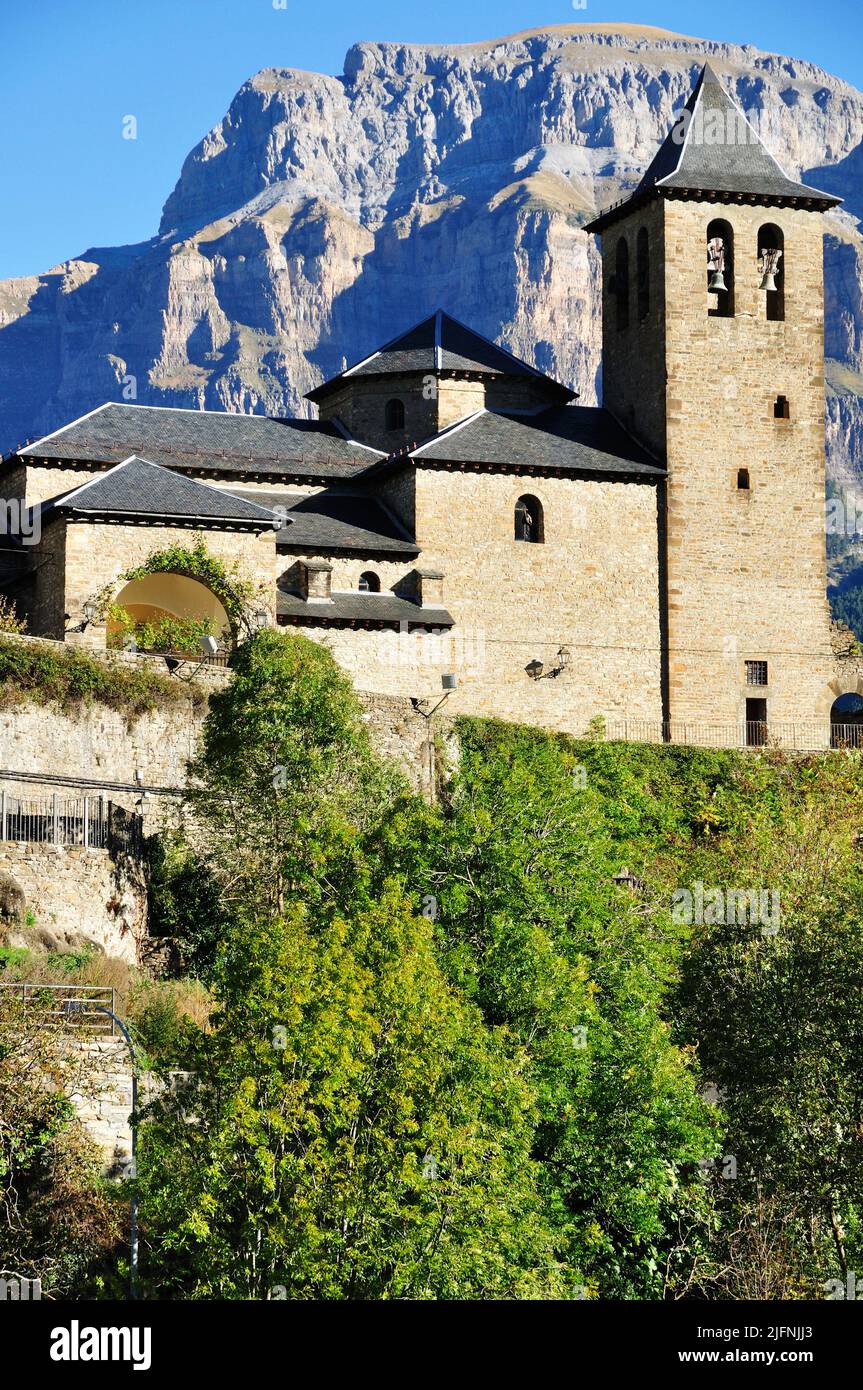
x: 592, y: 587
x: 97, y: 556
x: 633, y: 359
x: 746, y: 568
x: 77, y: 896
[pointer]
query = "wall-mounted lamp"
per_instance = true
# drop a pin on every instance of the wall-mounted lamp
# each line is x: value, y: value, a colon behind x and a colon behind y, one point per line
x: 260, y: 619
x: 535, y: 668
x: 449, y: 683
x: 89, y: 610
x: 209, y: 646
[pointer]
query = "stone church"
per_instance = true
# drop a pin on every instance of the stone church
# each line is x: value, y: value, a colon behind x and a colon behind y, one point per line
x: 658, y: 561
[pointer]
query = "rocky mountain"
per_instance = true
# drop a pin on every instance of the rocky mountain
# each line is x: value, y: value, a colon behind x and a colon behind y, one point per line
x: 325, y: 214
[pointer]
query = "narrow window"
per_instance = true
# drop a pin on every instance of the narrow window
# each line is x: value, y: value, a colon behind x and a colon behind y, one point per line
x: 642, y: 273
x: 395, y: 414
x: 369, y: 583
x: 743, y: 479
x: 621, y: 284
x: 720, y: 269
x: 529, y: 520
x: 781, y: 408
x: 756, y: 672
x: 771, y: 267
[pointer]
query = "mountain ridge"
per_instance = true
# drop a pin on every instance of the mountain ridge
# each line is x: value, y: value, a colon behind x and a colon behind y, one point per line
x: 323, y: 214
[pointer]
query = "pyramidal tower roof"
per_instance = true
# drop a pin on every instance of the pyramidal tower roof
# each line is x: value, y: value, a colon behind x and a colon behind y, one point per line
x: 438, y: 343
x: 712, y: 151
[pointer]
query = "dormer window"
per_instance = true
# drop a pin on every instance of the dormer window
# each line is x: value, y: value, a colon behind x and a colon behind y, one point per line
x: 369, y: 583
x: 528, y: 520
x: 395, y: 414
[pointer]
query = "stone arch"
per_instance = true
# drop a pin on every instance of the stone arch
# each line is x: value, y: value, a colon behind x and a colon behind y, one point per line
x: 167, y: 594
x: 771, y: 238
x: 720, y: 260
x: 529, y: 519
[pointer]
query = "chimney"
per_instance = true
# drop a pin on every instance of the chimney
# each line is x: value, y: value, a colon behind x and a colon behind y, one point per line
x: 429, y: 587
x: 316, y: 579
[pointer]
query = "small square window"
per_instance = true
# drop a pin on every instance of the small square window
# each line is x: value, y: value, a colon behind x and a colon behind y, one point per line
x: 781, y: 408
x: 756, y: 673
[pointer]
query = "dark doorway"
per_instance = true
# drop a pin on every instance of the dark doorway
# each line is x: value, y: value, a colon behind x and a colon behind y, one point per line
x: 846, y: 722
x: 756, y: 723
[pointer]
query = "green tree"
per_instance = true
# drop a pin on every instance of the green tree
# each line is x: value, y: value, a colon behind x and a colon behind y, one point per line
x: 532, y: 926
x: 354, y: 1129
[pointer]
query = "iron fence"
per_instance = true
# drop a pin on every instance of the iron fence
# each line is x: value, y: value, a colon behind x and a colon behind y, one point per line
x: 811, y: 737
x: 74, y: 1005
x: 90, y: 821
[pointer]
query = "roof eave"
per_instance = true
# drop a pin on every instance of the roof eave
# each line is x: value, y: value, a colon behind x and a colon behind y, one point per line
x: 816, y: 201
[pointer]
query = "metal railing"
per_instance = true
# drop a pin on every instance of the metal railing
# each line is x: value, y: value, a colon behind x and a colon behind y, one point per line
x: 90, y: 821
x: 811, y: 737
x: 74, y: 1005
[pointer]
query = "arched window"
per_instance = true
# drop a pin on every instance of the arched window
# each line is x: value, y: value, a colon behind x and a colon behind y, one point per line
x: 621, y: 284
x: 642, y: 273
x: 771, y: 267
x: 720, y: 269
x: 370, y: 583
x: 743, y: 479
x: 395, y: 414
x: 528, y: 520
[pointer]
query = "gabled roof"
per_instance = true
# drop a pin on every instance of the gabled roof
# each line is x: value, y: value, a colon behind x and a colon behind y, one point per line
x: 437, y: 343
x: 712, y: 149
x: 573, y: 439
x: 139, y: 489
x: 335, y: 520
x: 211, y: 441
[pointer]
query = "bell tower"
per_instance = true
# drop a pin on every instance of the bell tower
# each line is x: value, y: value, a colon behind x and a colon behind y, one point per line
x: 713, y: 359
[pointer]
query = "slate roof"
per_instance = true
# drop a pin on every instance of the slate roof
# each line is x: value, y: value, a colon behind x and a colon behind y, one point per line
x: 568, y: 439
x: 438, y: 343
x: 206, y: 440
x: 711, y: 148
x: 360, y: 607
x: 139, y: 488
x: 331, y: 520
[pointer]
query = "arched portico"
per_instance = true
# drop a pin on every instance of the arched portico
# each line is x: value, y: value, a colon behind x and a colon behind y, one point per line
x: 163, y: 595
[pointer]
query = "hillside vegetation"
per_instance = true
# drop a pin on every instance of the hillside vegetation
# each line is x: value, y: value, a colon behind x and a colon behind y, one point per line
x: 458, y: 1052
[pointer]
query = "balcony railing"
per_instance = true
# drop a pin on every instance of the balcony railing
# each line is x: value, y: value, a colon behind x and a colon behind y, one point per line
x: 75, y: 1005
x: 89, y: 821
x: 807, y: 737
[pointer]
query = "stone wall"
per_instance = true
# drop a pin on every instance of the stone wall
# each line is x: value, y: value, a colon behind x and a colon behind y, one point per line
x: 102, y: 1097
x: 746, y: 568
x: 431, y: 402
x: 77, y: 897
x: 80, y: 561
x: 591, y: 587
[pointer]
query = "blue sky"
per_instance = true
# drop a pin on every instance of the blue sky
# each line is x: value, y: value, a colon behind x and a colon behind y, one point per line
x: 72, y: 69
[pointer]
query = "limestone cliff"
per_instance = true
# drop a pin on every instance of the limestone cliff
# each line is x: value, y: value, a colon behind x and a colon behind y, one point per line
x: 324, y: 214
